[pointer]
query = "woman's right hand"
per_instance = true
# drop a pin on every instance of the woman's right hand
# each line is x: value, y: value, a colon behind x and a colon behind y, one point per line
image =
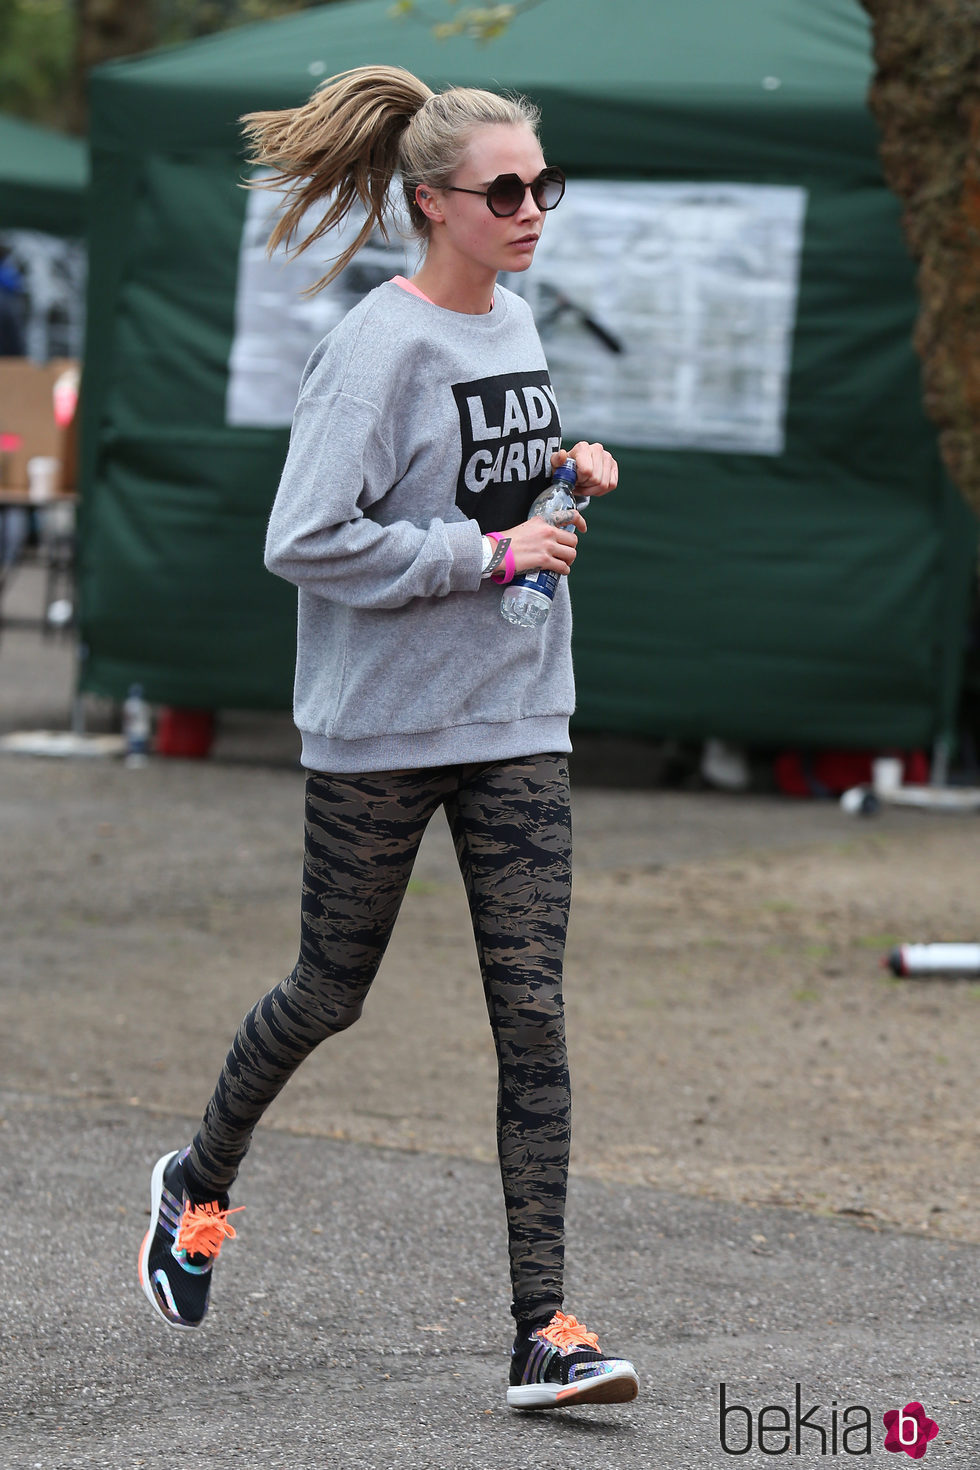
x: 538, y: 546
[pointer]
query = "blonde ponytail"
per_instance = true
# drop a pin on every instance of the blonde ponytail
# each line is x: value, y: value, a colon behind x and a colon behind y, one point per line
x: 356, y: 131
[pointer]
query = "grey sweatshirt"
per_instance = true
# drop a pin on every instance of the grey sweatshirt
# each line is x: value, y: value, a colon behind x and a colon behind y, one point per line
x: 416, y: 430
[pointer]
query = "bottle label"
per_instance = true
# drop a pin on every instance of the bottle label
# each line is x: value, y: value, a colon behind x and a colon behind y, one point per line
x: 544, y: 582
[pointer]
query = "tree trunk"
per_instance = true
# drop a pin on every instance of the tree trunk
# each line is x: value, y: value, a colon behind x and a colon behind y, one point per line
x: 106, y: 29
x: 926, y: 100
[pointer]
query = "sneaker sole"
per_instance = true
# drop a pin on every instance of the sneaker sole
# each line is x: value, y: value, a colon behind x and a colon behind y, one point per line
x: 620, y: 1386
x: 156, y: 1195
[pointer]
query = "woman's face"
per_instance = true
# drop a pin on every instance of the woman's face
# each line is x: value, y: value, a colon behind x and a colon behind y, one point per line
x: 470, y: 230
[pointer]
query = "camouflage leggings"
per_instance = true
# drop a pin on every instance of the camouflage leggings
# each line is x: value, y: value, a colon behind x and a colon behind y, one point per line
x: 511, y: 827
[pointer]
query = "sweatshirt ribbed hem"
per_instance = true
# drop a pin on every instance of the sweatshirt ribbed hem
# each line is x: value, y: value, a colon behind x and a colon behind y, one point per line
x: 461, y: 745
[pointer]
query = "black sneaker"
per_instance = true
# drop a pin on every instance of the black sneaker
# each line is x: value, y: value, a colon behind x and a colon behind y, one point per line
x: 181, y: 1245
x: 560, y: 1364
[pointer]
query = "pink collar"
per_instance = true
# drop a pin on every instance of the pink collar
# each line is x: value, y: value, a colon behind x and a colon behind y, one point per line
x: 410, y: 286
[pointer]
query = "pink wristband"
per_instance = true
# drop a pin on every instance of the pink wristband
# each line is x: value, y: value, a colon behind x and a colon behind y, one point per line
x: 508, y: 571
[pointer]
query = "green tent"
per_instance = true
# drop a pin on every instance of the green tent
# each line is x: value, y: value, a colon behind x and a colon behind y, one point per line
x: 43, y: 179
x: 728, y: 304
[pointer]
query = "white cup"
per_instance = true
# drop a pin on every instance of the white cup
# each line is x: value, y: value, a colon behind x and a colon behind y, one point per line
x: 886, y: 773
x: 42, y: 477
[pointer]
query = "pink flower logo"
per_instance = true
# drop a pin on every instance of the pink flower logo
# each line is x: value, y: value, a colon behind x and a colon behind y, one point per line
x: 909, y: 1429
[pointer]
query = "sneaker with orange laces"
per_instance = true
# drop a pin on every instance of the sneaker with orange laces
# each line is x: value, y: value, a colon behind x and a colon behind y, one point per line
x: 181, y: 1246
x: 560, y: 1364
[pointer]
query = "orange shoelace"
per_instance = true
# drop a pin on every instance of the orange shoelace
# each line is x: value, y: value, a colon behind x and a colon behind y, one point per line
x: 566, y: 1332
x: 204, y: 1228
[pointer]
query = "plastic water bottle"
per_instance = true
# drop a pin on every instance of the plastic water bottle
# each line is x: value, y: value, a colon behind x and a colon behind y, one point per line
x: 136, y: 726
x: 526, y: 602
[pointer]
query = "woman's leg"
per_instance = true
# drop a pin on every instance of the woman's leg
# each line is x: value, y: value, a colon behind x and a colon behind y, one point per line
x: 511, y: 823
x: 362, y: 836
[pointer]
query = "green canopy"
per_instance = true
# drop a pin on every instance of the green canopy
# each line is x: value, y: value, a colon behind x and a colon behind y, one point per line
x: 43, y: 179
x: 784, y: 561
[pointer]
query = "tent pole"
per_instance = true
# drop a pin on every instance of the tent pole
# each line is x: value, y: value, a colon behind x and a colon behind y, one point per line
x: 941, y: 753
x: 78, y: 698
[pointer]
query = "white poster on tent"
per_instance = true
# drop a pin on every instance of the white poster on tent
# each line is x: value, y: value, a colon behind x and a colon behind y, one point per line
x: 666, y: 311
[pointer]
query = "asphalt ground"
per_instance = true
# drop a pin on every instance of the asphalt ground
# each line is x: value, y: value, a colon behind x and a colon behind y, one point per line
x: 360, y: 1319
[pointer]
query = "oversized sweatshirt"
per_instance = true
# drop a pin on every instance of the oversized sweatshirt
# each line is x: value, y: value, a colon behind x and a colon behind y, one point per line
x: 416, y: 430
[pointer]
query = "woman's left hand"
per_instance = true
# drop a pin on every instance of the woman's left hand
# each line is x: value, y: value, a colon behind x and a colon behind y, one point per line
x: 598, y: 472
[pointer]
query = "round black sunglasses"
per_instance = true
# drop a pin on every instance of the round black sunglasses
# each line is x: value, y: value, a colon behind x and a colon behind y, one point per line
x: 505, y: 195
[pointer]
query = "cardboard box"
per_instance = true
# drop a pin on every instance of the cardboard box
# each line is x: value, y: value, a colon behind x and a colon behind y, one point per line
x: 27, y: 410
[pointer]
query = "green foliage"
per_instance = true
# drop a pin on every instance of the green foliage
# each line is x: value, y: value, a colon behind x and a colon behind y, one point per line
x: 36, y: 57
x: 38, y: 44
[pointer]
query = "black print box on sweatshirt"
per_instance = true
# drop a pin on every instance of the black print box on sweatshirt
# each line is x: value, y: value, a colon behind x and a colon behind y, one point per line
x: 509, y: 429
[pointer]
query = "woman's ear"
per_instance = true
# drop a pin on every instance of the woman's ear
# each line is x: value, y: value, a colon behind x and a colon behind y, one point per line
x: 429, y: 205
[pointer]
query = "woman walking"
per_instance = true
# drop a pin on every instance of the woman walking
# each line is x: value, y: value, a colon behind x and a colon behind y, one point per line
x: 425, y: 427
